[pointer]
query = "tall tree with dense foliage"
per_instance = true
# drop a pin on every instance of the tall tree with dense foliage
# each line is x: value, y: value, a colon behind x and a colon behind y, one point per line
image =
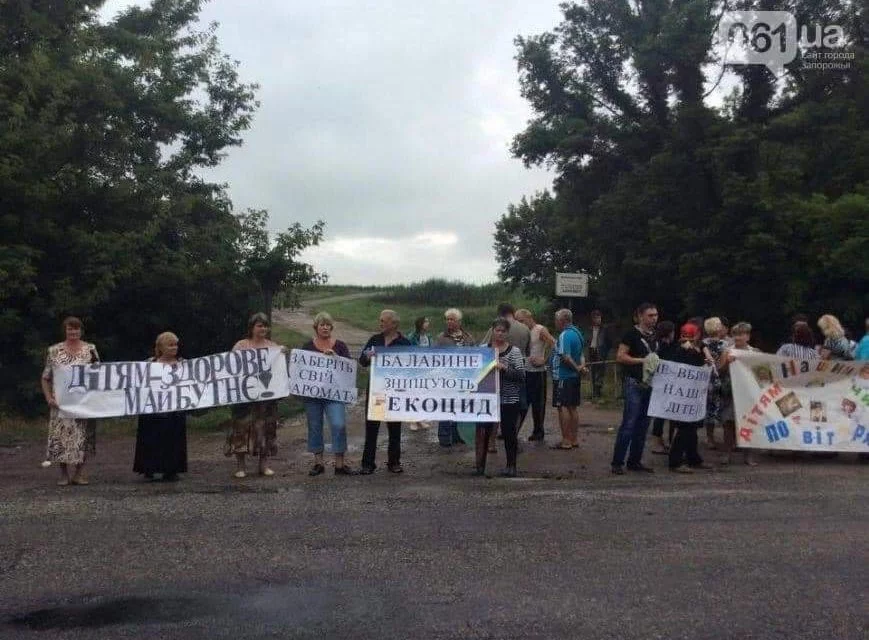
x: 755, y: 208
x: 104, y: 128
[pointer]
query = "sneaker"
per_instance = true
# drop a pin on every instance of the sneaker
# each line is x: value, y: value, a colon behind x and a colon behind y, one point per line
x: 682, y: 469
x: 395, y: 468
x: 316, y: 470
x: 618, y: 470
x: 509, y: 472
x: 640, y: 467
x: 366, y: 471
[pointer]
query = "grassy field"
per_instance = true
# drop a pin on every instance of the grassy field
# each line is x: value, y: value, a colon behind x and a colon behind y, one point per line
x: 14, y: 429
x: 364, y: 312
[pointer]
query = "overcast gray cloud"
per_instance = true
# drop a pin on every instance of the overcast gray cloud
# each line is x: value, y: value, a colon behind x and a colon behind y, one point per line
x: 390, y: 120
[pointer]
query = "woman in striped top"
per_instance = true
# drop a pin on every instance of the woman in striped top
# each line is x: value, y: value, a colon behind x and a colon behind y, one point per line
x: 802, y: 344
x: 511, y: 371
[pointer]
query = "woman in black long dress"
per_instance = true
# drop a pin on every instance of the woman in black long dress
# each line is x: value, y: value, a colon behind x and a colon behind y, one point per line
x: 161, y: 438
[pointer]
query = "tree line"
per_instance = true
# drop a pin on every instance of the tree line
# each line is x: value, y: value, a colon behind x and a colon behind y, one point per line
x: 756, y: 208
x: 105, y: 128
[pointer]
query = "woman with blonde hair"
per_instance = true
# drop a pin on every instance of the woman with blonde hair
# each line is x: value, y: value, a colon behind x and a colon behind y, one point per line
x: 836, y: 346
x: 255, y: 424
x: 161, y: 438
x: 70, y: 440
x: 318, y: 408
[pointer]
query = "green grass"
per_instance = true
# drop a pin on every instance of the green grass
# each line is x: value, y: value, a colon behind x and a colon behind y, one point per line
x: 364, y: 312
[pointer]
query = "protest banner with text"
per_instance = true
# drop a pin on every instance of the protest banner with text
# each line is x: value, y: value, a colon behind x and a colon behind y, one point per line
x: 412, y: 383
x: 108, y: 389
x: 808, y: 405
x: 679, y: 391
x: 316, y: 375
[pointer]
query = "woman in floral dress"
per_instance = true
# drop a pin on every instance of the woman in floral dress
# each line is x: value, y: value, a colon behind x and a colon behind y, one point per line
x: 255, y: 424
x: 70, y: 440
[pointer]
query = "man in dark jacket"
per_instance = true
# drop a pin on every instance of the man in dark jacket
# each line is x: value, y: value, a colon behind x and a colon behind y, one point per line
x: 599, y: 346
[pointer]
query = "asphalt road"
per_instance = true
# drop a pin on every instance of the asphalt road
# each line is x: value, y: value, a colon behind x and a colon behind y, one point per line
x: 567, y: 551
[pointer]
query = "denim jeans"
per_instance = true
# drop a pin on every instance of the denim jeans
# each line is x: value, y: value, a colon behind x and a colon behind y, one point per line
x: 448, y: 433
x: 335, y: 414
x: 635, y: 424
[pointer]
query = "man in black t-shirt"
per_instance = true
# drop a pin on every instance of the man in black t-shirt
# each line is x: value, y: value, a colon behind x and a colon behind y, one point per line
x: 635, y: 345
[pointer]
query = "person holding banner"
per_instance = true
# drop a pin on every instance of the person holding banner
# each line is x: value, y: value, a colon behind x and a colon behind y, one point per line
x: 333, y: 410
x: 665, y: 333
x: 635, y: 346
x: 255, y: 424
x: 389, y: 336
x: 741, y: 334
x: 836, y: 346
x: 684, y: 456
x: 70, y: 440
x: 453, y: 336
x: 511, y: 370
x: 420, y: 337
x: 161, y: 438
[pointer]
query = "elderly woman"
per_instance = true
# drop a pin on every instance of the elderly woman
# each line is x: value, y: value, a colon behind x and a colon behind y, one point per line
x: 70, y: 440
x: 333, y: 411
x: 161, y: 438
x: 389, y: 336
x: 452, y: 336
x: 836, y: 346
x: 511, y: 370
x: 255, y: 424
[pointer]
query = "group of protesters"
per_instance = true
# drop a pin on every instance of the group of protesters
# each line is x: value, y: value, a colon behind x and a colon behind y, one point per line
x: 527, y: 356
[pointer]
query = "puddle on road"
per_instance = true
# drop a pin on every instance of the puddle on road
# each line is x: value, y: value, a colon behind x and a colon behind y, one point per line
x: 114, y: 612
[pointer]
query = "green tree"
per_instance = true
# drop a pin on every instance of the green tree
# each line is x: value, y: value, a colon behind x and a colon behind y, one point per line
x: 103, y: 128
x: 752, y: 210
x: 275, y: 265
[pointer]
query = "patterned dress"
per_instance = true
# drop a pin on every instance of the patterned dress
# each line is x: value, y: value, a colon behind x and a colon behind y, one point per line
x: 70, y: 440
x: 254, y: 427
x: 714, y: 400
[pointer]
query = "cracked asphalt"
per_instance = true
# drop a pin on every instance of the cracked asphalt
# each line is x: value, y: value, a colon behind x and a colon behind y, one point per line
x: 566, y: 551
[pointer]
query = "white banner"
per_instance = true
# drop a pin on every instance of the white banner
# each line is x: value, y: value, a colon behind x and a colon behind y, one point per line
x: 315, y: 375
x: 810, y: 405
x: 679, y: 392
x: 108, y: 389
x: 413, y: 383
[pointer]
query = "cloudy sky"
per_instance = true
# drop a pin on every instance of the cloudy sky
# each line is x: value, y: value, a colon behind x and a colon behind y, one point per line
x: 390, y: 120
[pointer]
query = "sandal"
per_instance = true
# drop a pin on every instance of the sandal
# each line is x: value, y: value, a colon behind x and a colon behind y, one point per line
x: 562, y: 446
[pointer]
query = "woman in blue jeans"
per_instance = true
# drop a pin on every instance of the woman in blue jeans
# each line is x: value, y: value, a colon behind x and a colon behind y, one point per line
x: 334, y: 412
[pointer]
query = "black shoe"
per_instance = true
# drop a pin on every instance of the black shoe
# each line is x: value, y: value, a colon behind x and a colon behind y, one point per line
x: 366, y: 471
x: 500, y: 436
x: 536, y: 437
x: 509, y: 472
x: 316, y: 470
x: 640, y: 467
x: 395, y: 468
x: 618, y: 470
x: 479, y: 471
x: 149, y: 476
x: 170, y: 477
x: 345, y: 471
x: 460, y: 441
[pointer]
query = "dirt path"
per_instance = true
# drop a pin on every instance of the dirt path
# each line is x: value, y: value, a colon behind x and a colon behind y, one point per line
x: 300, y: 320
